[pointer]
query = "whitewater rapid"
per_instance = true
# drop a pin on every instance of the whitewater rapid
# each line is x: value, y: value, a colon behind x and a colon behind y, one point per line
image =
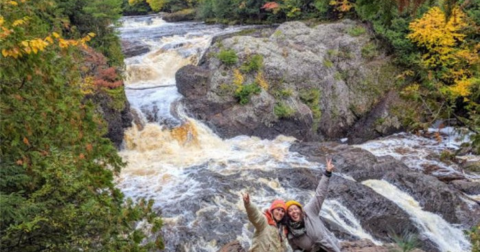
x: 195, y: 177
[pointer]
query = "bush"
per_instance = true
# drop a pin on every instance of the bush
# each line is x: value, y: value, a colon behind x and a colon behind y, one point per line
x: 228, y: 57
x: 282, y: 110
x: 244, y: 92
x: 254, y: 63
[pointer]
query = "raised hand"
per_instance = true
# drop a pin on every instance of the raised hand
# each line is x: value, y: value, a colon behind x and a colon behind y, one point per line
x: 330, y: 165
x: 246, y: 198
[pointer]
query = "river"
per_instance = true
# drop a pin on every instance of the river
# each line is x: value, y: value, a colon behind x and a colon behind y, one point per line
x: 195, y: 177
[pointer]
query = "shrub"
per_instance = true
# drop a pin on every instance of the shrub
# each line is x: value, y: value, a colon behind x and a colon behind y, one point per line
x: 311, y: 98
x: 228, y: 57
x: 244, y: 92
x: 254, y: 63
x: 406, y: 241
x: 282, y: 110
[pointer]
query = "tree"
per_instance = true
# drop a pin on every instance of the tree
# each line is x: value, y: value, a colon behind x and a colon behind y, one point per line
x: 56, y: 181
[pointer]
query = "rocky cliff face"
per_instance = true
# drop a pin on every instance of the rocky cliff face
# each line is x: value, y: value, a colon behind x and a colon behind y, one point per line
x: 116, y: 118
x: 316, y: 83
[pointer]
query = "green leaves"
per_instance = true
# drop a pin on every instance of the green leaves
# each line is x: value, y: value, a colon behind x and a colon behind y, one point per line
x: 56, y: 177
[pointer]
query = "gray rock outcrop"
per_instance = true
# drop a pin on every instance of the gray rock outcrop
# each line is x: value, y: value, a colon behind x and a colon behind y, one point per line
x: 317, y: 83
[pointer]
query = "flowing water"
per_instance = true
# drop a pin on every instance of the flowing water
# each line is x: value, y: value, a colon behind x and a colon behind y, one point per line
x: 195, y: 177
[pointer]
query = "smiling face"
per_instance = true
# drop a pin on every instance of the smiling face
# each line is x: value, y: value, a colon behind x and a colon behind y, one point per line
x: 278, y: 214
x: 295, y: 213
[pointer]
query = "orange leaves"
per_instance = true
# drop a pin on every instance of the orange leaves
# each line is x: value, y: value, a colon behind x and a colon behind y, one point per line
x: 342, y: 5
x: 89, y: 147
x: 271, y: 6
x: 25, y: 141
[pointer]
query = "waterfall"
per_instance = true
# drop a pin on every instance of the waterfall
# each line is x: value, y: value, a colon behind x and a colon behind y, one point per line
x: 433, y: 226
x: 194, y: 176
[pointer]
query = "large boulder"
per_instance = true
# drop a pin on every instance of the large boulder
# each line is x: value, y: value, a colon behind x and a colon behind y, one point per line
x: 134, y: 48
x: 316, y: 83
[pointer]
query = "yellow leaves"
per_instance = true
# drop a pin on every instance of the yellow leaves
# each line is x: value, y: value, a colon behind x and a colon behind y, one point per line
x: 260, y: 80
x: 238, y: 78
x: 461, y: 87
x: 34, y: 45
x: 13, y: 52
x: 447, y: 52
x: 13, y: 3
x: 18, y: 22
x: 2, y: 20
x: 134, y: 2
x: 87, y: 87
x: 55, y: 35
x: 432, y: 30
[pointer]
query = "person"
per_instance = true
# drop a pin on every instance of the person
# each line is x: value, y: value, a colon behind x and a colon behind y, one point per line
x: 306, y: 231
x: 270, y: 233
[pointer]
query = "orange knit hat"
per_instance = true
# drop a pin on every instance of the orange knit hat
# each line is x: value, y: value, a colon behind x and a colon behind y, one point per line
x: 293, y: 202
x: 277, y: 204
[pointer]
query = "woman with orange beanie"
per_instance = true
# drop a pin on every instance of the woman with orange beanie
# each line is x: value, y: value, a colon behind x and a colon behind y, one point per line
x: 270, y: 233
x: 306, y: 231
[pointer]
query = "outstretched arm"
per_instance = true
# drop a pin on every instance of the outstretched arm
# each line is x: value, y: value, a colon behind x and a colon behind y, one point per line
x: 254, y: 215
x: 315, y: 204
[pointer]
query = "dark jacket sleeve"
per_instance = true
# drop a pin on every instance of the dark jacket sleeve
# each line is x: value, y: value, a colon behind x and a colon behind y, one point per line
x: 314, y: 206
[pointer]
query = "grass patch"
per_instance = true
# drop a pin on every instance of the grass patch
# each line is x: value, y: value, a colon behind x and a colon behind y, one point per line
x: 369, y: 51
x: 337, y: 76
x: 327, y: 63
x: 356, y: 31
x: 228, y: 57
x: 225, y: 89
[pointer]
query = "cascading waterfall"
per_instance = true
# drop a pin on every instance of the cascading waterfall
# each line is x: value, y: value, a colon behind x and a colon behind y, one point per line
x: 447, y: 237
x: 193, y: 175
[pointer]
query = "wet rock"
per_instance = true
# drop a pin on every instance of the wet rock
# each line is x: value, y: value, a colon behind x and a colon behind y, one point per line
x: 233, y: 246
x: 366, y: 245
x: 323, y: 63
x: 432, y: 194
x: 377, y: 122
x: 388, y: 219
x: 117, y: 120
x: 183, y: 15
x: 134, y: 48
x: 192, y: 82
x: 468, y: 187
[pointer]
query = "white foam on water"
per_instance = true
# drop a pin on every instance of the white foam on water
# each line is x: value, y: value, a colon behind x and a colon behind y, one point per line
x: 443, y: 234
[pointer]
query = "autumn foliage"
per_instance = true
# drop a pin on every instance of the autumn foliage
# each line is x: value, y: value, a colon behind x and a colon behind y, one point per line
x: 56, y: 179
x: 446, y: 52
